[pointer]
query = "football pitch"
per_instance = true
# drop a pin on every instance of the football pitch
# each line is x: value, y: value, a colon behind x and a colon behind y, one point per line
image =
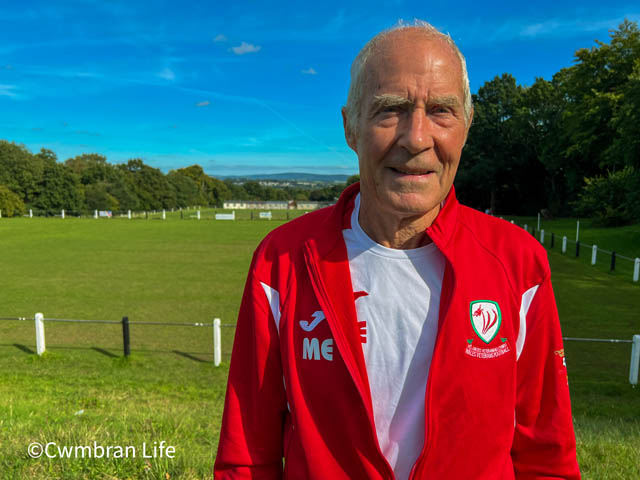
x: 83, y: 392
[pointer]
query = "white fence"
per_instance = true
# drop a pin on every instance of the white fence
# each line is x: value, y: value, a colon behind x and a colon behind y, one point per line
x: 40, y: 320
x: 596, y: 252
x: 41, y: 347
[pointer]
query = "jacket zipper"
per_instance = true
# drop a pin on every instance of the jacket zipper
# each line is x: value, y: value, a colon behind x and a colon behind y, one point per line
x: 327, y: 307
x: 428, y: 394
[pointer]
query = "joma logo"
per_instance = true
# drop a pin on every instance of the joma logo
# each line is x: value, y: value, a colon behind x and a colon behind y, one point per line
x: 312, y: 349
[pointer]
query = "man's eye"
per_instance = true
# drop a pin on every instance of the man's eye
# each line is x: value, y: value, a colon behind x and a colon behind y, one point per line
x: 391, y: 109
x: 440, y: 109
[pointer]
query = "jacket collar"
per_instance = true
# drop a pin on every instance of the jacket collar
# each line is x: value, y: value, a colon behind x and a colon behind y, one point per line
x: 329, y: 232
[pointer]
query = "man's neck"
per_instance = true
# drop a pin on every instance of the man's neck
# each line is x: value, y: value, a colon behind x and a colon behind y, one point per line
x: 393, y: 231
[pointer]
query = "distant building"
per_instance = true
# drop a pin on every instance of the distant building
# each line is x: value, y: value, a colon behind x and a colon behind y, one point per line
x: 272, y: 205
x: 310, y: 205
x: 257, y: 205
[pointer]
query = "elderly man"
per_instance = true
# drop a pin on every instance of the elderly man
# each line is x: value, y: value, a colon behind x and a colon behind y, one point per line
x: 398, y: 334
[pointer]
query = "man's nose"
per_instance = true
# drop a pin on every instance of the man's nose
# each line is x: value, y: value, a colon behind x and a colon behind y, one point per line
x: 417, y: 132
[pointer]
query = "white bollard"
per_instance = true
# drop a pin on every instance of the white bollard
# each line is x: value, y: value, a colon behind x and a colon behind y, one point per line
x: 0, y: 213
x: 539, y: 222
x: 129, y: 214
x: 635, y: 361
x: 217, y: 342
x: 512, y: 222
x: 198, y: 214
x: 62, y: 214
x: 95, y: 214
x: 564, y: 244
x: 594, y: 252
x: 40, y: 347
x: 542, y: 237
x: 30, y: 213
x: 526, y: 227
x: 636, y: 270
x: 164, y: 214
x: 577, y: 230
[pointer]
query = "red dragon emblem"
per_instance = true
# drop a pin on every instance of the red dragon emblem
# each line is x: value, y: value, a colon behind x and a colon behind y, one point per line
x: 489, y: 319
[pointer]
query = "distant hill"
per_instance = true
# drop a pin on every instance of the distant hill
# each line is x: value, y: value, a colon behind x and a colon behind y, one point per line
x: 290, y: 176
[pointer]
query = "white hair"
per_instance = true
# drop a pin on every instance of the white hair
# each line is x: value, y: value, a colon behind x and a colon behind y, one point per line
x: 354, y: 99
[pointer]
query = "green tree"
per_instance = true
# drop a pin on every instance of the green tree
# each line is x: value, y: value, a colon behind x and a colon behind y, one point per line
x: 59, y: 187
x: 20, y: 171
x: 10, y: 203
x: 492, y: 166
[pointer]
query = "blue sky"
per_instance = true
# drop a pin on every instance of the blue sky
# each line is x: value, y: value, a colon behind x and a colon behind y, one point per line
x: 245, y: 87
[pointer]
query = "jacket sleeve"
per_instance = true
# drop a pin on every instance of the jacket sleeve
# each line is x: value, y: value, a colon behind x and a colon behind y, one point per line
x: 251, y: 436
x: 544, y: 445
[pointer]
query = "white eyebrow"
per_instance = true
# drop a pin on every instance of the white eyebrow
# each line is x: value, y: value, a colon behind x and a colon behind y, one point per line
x: 390, y: 100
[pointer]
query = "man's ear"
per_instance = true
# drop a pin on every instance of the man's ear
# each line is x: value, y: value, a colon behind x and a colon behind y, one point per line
x: 348, y: 134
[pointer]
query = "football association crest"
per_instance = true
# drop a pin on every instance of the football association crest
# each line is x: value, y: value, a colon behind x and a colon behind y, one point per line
x: 485, y: 319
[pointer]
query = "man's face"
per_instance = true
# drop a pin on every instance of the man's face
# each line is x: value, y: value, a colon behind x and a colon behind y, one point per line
x: 411, y: 128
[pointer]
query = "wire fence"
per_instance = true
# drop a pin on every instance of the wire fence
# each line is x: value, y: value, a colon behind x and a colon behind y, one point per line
x: 603, y: 259
x: 187, y: 213
x: 39, y: 320
x: 217, y: 325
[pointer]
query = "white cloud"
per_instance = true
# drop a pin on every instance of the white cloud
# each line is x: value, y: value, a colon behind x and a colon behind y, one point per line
x: 167, y: 74
x: 8, y: 91
x: 219, y: 38
x: 203, y: 104
x: 309, y: 71
x: 245, y: 47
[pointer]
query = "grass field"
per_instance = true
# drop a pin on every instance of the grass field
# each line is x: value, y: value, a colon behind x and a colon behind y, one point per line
x: 83, y: 391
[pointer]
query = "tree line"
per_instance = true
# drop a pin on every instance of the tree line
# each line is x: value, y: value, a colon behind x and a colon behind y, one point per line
x: 570, y: 146
x: 88, y: 182
x: 565, y: 146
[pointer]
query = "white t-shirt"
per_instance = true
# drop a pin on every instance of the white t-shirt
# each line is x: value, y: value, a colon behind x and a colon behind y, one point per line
x: 398, y: 296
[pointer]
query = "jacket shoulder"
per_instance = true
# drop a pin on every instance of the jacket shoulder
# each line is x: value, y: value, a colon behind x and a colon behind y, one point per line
x: 521, y: 255
x: 287, y: 240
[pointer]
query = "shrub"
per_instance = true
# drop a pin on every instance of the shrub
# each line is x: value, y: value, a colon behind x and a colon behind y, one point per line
x: 611, y: 200
x: 10, y: 203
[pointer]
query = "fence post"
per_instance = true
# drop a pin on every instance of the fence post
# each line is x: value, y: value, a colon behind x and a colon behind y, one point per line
x: 164, y: 214
x: 539, y: 222
x: 125, y: 336
x: 635, y: 361
x: 512, y: 222
x: 40, y: 346
x: 542, y: 236
x: 613, y: 261
x: 636, y: 270
x: 95, y: 214
x: 62, y: 214
x: 217, y: 342
x: 578, y: 248
x: 129, y: 214
x: 564, y: 244
x: 30, y: 213
x: 526, y: 227
x: 198, y: 214
x: 577, y: 230
x: 594, y: 253
x: 0, y: 213
x: 553, y: 239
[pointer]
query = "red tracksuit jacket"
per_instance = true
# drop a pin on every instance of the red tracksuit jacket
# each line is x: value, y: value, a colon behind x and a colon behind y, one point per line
x: 497, y: 400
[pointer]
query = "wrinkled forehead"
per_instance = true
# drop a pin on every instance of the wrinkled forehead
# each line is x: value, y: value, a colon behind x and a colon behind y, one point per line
x: 408, y: 50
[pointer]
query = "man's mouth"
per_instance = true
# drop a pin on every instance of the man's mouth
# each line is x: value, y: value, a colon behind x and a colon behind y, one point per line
x: 410, y: 171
